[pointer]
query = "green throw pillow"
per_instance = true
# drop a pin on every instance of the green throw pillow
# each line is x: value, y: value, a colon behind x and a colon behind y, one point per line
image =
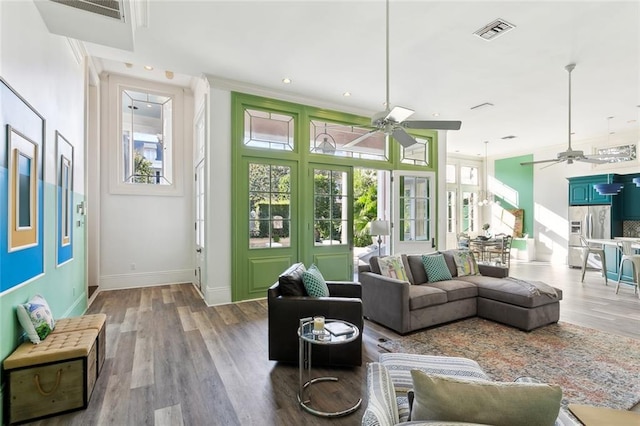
x: 493, y: 403
x: 314, y: 282
x: 436, y: 268
x: 465, y: 263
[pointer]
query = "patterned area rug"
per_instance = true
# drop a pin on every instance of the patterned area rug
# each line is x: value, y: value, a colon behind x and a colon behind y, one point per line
x: 592, y: 367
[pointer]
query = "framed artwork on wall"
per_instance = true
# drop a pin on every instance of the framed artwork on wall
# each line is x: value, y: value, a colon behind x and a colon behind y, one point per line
x: 64, y: 200
x: 21, y: 190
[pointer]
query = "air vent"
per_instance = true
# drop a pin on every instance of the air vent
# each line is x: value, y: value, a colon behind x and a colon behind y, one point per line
x: 494, y: 29
x: 508, y: 137
x: 108, y: 8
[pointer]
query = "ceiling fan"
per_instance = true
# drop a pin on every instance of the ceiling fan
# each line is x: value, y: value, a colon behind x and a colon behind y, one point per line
x: 571, y: 155
x: 392, y: 122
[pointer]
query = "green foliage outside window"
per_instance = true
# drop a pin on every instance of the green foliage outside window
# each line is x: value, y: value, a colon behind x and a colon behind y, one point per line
x: 142, y: 172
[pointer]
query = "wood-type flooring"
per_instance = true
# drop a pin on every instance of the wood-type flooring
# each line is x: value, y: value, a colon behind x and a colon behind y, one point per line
x: 171, y: 360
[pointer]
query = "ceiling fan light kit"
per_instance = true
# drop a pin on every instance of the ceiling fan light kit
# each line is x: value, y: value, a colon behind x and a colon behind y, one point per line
x: 608, y: 188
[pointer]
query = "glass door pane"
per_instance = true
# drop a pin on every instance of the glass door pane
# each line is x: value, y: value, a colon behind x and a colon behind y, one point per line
x: 413, y: 212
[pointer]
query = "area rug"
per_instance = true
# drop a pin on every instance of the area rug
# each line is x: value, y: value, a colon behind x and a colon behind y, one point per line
x: 592, y: 367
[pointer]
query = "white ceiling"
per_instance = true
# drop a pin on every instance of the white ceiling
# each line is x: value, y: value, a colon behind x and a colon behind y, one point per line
x: 437, y: 64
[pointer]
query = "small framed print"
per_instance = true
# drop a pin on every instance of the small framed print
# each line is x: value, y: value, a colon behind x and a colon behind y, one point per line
x: 64, y: 191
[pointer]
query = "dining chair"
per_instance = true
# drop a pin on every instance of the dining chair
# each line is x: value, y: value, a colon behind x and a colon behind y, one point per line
x: 588, y: 249
x: 502, y: 250
x: 629, y: 255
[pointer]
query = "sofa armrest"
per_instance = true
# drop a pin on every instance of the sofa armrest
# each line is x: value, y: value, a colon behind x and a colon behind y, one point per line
x: 382, y: 406
x: 386, y: 300
x: 345, y: 289
x: 493, y: 271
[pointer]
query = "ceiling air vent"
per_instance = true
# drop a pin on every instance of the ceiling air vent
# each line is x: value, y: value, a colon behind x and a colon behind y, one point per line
x: 494, y: 29
x: 108, y: 8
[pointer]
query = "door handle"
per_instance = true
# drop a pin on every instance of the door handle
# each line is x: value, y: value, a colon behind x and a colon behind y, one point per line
x: 198, y: 250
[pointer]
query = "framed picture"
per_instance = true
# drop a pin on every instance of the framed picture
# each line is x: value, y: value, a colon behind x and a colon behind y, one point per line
x: 64, y: 199
x: 21, y: 190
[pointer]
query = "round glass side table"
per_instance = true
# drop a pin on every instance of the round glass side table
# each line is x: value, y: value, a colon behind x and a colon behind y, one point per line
x: 341, y: 332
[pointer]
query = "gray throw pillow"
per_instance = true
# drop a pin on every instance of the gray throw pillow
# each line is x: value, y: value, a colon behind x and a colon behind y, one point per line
x: 494, y: 403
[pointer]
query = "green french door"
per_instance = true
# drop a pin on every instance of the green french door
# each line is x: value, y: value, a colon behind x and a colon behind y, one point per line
x: 267, y: 238
x: 331, y: 222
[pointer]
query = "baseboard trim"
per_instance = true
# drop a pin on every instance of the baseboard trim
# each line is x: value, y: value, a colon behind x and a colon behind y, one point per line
x: 78, y: 300
x: 217, y: 296
x: 145, y: 279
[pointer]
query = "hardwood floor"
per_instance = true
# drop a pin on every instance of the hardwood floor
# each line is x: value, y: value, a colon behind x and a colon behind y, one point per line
x: 171, y: 360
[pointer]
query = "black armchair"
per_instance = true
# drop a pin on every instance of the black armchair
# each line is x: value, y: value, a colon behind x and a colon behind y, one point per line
x: 285, y: 312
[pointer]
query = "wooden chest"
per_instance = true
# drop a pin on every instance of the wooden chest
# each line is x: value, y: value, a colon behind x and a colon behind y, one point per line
x: 54, y: 377
x: 86, y: 322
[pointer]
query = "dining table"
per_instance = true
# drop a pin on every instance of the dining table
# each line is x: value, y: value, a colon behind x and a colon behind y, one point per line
x: 482, y: 245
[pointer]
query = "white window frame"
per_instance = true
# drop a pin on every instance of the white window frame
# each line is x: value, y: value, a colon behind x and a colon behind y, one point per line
x: 112, y: 114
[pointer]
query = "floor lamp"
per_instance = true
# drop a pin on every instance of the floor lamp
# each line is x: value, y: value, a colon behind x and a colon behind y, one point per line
x: 379, y: 228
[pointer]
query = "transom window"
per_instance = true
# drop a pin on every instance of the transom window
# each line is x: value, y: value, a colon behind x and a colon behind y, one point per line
x: 345, y: 140
x: 270, y: 130
x: 468, y: 175
x: 416, y: 154
x: 147, y: 137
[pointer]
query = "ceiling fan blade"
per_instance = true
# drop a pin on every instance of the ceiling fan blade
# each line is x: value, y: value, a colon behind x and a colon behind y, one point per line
x: 554, y: 163
x: 541, y: 161
x: 434, y: 125
x: 360, y: 138
x: 403, y: 137
x: 591, y: 160
x: 398, y: 114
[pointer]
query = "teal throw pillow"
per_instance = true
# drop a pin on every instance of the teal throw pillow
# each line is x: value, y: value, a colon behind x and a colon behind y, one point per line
x: 314, y: 282
x: 436, y: 268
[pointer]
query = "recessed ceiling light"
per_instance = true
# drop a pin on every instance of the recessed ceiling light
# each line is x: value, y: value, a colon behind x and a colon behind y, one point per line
x: 286, y: 80
x: 149, y: 105
x: 346, y: 94
x: 632, y: 121
x: 436, y: 114
x: 148, y: 67
x: 169, y: 75
x: 128, y: 65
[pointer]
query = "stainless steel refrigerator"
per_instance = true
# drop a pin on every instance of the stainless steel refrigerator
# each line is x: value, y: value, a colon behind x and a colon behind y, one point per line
x: 589, y: 222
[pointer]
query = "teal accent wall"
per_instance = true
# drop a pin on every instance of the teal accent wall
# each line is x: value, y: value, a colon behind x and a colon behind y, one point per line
x: 518, y: 179
x: 63, y: 287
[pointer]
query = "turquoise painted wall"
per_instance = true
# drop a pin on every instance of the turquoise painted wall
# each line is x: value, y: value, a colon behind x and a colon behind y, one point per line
x: 63, y: 287
x: 511, y: 174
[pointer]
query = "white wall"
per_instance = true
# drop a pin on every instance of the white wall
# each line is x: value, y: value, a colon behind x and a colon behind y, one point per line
x: 145, y: 239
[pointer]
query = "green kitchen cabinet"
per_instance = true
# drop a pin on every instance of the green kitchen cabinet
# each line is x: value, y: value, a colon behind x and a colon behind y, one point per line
x: 582, y: 192
x: 613, y: 256
x: 630, y: 196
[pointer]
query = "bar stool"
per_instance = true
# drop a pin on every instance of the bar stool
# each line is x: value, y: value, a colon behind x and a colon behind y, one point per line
x: 629, y: 255
x: 598, y: 251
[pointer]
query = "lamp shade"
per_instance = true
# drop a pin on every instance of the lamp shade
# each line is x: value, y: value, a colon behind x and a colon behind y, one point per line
x: 608, y: 188
x: 636, y: 180
x: 379, y: 227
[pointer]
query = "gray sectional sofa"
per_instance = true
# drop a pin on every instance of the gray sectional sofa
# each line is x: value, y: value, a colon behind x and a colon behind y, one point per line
x: 408, y: 305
